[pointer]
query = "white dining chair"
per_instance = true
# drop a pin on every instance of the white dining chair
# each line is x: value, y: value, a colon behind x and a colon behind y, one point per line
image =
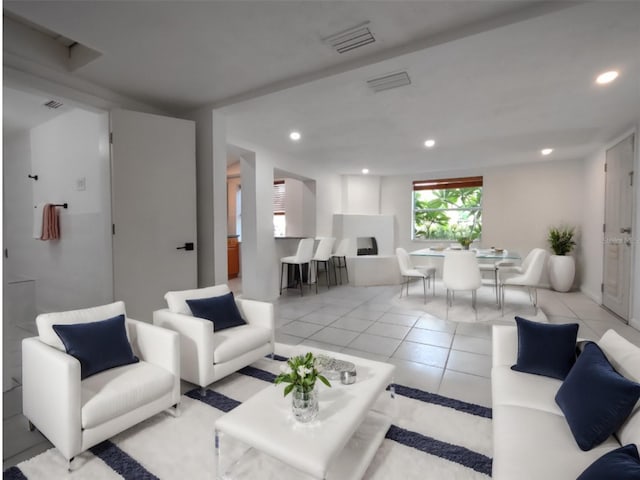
x: 526, y: 275
x: 409, y: 271
x: 493, y: 269
x: 339, y: 259
x: 302, y: 257
x: 323, y: 255
x: 460, y: 271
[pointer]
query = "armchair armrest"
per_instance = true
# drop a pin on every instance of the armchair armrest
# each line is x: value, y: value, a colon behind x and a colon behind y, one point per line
x: 196, y: 343
x: 257, y: 313
x: 51, y: 397
x: 158, y: 346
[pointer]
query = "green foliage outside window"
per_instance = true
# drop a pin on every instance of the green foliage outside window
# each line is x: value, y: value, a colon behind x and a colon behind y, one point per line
x: 447, y: 214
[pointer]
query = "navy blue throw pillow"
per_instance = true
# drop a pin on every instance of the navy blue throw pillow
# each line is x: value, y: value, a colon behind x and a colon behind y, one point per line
x: 546, y: 349
x: 622, y: 464
x: 221, y: 310
x: 595, y: 399
x: 98, y: 345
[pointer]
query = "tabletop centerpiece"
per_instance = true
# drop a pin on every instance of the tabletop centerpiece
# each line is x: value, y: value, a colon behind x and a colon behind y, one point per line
x: 301, y: 373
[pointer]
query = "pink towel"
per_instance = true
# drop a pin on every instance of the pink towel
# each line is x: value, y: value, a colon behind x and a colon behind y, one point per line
x: 50, y: 223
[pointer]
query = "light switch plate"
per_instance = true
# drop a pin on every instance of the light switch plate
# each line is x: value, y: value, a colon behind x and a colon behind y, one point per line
x: 81, y: 183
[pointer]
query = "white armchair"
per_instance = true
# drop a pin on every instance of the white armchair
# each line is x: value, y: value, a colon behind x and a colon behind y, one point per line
x: 76, y: 414
x: 207, y: 356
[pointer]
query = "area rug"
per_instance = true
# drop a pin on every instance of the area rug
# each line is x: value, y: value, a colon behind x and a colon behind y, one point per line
x: 517, y: 302
x: 432, y: 437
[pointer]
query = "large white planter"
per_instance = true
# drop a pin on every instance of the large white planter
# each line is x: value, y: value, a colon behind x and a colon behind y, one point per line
x: 562, y: 270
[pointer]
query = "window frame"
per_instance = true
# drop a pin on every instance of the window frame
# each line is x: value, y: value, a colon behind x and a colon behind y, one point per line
x: 444, y: 184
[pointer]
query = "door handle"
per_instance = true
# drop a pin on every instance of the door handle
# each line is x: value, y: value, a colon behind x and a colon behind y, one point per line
x: 626, y: 230
x: 188, y: 246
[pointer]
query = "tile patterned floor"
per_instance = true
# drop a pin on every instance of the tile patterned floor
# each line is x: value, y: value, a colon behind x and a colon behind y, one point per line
x: 445, y: 357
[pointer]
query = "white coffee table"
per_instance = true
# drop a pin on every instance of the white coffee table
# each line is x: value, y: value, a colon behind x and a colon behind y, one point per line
x: 339, y: 444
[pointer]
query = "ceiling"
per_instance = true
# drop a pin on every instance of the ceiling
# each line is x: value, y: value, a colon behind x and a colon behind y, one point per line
x: 493, y: 82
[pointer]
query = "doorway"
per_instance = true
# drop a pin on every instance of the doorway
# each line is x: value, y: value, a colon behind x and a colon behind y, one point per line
x: 618, y: 234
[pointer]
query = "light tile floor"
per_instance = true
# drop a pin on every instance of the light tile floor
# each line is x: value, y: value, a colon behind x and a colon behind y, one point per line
x: 445, y: 357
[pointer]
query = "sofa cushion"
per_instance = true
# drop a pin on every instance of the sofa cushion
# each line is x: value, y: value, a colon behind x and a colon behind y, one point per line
x: 622, y: 464
x: 117, y: 391
x: 98, y: 346
x: 45, y: 321
x: 530, y: 444
x: 545, y: 349
x: 231, y: 343
x: 524, y: 390
x: 221, y: 310
x: 625, y: 358
x: 177, y: 301
x: 595, y: 399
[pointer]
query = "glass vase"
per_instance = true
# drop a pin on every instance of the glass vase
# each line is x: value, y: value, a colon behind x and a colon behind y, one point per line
x: 304, y: 404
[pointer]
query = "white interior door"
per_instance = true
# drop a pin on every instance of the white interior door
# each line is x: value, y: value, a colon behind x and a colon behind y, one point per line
x: 153, y: 209
x: 618, y: 227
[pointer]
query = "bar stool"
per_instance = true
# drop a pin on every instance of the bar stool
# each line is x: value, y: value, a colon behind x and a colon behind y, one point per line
x: 323, y: 255
x: 302, y: 257
x: 339, y: 259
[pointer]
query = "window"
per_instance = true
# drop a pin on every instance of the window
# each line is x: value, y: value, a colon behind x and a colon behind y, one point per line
x: 447, y: 209
x: 279, y: 218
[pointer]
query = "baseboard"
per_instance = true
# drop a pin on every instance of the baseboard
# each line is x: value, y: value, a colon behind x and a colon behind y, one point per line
x: 596, y: 297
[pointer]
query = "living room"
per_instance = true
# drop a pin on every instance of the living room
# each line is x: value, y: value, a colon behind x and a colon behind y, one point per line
x: 489, y: 114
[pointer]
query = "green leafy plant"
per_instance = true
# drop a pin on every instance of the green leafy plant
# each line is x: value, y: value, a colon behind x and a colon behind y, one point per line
x: 561, y: 239
x: 300, y: 372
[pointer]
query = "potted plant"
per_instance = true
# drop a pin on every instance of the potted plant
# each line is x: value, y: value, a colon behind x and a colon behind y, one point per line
x: 562, y: 267
x: 301, y: 373
x: 466, y: 236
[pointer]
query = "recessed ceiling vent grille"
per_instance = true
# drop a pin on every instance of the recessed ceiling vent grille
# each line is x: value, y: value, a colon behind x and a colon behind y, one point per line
x: 53, y: 104
x: 350, y: 39
x: 387, y: 82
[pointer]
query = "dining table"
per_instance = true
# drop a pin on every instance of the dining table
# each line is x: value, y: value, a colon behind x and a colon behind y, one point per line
x: 481, y: 253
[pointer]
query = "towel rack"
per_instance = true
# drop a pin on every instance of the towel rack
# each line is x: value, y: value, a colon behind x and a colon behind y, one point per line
x: 33, y: 177
x: 63, y: 205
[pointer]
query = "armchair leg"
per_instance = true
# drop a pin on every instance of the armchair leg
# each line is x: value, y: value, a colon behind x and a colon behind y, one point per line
x: 175, y: 410
x: 203, y: 391
x: 70, y: 464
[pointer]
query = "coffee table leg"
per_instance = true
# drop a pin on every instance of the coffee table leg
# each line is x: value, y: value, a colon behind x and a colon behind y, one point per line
x: 218, y: 461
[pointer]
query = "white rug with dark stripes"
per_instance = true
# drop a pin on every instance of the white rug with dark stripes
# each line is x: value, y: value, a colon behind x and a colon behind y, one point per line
x: 432, y: 437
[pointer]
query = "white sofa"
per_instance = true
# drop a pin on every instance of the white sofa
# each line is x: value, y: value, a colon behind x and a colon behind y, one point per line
x: 77, y: 414
x: 207, y: 356
x: 531, y: 438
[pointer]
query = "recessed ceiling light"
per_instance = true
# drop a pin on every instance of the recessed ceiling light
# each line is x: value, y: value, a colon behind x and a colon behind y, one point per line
x: 546, y: 151
x: 429, y: 143
x: 607, y: 77
x: 365, y: 171
x: 295, y: 136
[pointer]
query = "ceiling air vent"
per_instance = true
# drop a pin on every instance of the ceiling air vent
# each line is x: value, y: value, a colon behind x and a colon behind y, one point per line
x: 387, y: 82
x: 53, y: 104
x: 350, y: 39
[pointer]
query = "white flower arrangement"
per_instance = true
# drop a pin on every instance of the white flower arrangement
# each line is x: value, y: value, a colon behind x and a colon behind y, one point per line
x: 300, y: 372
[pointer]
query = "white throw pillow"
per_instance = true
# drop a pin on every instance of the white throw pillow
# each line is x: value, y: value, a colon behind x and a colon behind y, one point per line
x: 177, y: 301
x: 625, y: 358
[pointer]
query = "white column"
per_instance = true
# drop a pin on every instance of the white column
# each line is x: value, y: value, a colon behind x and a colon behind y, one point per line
x: 259, y: 263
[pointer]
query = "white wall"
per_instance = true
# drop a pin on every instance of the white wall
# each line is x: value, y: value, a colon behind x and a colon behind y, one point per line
x: 361, y: 194
x: 75, y: 271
